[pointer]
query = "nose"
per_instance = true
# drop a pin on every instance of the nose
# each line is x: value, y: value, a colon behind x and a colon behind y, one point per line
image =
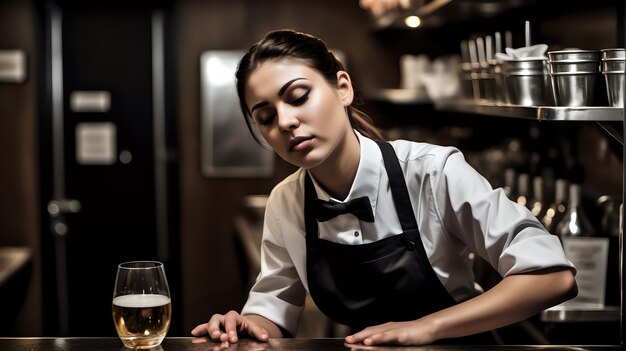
x: 287, y: 118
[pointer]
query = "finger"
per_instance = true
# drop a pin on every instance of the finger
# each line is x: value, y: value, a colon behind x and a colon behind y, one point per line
x: 231, y: 320
x: 214, y: 326
x: 369, y: 340
x: 369, y: 331
x: 381, y: 338
x: 360, y: 336
x: 354, y: 338
x: 200, y: 330
x: 258, y: 332
x: 397, y: 336
x: 223, y: 338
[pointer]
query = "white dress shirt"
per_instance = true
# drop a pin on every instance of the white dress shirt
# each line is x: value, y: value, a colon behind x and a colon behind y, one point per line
x: 456, y: 209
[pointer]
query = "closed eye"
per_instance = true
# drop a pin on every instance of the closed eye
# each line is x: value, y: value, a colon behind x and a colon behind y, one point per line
x: 301, y: 100
x: 265, y: 118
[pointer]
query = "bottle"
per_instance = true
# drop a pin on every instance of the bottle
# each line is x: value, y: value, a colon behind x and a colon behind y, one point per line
x: 575, y: 222
x: 587, y: 252
x: 555, y: 212
x: 523, y: 197
x: 609, y: 223
x: 509, y: 183
x: 536, y: 205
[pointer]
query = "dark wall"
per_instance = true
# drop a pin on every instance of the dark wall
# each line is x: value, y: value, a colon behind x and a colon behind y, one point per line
x: 19, y: 183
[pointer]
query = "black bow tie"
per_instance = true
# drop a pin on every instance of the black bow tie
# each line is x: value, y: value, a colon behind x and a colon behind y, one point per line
x: 360, y: 207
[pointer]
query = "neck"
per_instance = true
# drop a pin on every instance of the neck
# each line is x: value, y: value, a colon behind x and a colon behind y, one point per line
x: 338, y: 171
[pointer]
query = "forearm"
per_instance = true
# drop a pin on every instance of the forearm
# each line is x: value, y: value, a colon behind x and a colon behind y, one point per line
x: 515, y: 298
x: 270, y: 327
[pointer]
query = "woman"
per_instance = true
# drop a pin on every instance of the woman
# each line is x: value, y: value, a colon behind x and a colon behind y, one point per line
x: 378, y: 233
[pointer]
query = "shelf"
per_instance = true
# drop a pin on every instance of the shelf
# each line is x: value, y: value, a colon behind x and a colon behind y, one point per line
x: 399, y: 96
x: 440, y: 12
x: 562, y: 313
x: 437, y: 13
x: 540, y: 113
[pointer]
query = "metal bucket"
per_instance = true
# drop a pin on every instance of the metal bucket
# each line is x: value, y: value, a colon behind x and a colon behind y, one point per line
x: 613, y: 64
x: 527, y: 82
x: 576, y: 80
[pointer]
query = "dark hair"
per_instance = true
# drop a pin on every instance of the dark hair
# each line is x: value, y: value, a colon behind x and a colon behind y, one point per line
x: 291, y: 44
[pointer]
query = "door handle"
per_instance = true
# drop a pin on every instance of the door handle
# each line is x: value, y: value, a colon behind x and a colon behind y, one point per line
x: 57, y: 207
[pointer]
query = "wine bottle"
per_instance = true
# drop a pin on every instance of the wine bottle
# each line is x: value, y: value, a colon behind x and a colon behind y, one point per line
x: 537, y: 207
x: 509, y: 183
x: 575, y: 223
x: 522, y: 190
x: 588, y: 252
x: 555, y: 212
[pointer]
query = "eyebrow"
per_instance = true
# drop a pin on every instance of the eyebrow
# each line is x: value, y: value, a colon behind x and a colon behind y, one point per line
x: 281, y: 92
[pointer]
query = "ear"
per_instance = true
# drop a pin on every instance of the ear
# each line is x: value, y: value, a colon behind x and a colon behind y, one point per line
x: 344, y: 88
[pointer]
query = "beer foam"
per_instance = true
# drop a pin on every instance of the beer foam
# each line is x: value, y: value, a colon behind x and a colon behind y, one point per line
x: 141, y: 300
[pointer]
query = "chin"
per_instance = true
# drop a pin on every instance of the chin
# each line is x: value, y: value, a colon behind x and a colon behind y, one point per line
x: 307, y: 161
x: 304, y: 164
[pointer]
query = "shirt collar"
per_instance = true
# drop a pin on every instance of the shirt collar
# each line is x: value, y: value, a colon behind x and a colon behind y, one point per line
x: 367, y: 175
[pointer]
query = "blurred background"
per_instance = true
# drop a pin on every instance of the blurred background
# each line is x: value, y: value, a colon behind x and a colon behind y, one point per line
x: 114, y: 142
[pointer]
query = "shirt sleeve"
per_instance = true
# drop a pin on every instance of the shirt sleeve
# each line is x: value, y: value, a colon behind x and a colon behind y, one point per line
x: 278, y: 293
x: 504, y: 233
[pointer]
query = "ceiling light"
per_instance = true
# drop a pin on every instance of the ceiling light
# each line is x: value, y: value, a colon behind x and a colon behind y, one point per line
x: 413, y: 21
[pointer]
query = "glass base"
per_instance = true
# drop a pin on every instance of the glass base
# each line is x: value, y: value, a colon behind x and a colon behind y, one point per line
x: 142, y: 342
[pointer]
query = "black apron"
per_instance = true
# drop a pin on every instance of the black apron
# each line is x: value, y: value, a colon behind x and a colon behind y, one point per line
x: 369, y: 284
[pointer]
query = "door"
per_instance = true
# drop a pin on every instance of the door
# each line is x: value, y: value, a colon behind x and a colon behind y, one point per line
x: 108, y: 173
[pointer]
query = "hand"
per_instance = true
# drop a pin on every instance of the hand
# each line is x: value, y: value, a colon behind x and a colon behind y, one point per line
x: 416, y: 332
x: 228, y: 327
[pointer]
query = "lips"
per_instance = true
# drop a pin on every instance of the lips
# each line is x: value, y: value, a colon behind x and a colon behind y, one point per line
x: 298, y: 142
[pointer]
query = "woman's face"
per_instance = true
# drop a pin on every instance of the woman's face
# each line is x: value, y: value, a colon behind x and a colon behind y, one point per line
x: 300, y: 115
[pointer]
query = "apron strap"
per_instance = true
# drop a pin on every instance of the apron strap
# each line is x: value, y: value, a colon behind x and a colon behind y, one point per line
x: 310, y: 222
x: 398, y: 187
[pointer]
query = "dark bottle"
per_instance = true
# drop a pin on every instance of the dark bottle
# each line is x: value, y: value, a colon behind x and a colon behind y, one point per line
x: 536, y: 205
x: 575, y: 222
x: 609, y: 223
x: 509, y: 183
x: 523, y: 195
x: 587, y: 252
x: 555, y: 212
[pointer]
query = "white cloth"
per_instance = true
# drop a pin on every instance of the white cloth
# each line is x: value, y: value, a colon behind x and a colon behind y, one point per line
x: 456, y: 210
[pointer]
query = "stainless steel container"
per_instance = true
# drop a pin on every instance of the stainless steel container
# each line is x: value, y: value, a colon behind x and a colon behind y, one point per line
x: 613, y: 62
x: 573, y: 55
x: 576, y: 89
x: 527, y: 82
x: 613, y: 54
x: 575, y: 76
x: 575, y: 67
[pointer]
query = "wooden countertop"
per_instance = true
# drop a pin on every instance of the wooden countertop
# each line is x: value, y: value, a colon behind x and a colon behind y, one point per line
x: 196, y: 344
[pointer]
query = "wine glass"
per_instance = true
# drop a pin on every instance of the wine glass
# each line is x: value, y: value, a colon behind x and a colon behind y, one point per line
x: 142, y: 306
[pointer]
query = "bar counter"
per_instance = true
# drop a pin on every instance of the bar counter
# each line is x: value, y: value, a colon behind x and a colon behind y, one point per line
x: 197, y: 344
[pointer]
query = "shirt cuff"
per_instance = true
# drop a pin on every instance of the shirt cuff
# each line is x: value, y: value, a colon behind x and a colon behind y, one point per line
x: 532, y: 252
x: 282, y: 313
